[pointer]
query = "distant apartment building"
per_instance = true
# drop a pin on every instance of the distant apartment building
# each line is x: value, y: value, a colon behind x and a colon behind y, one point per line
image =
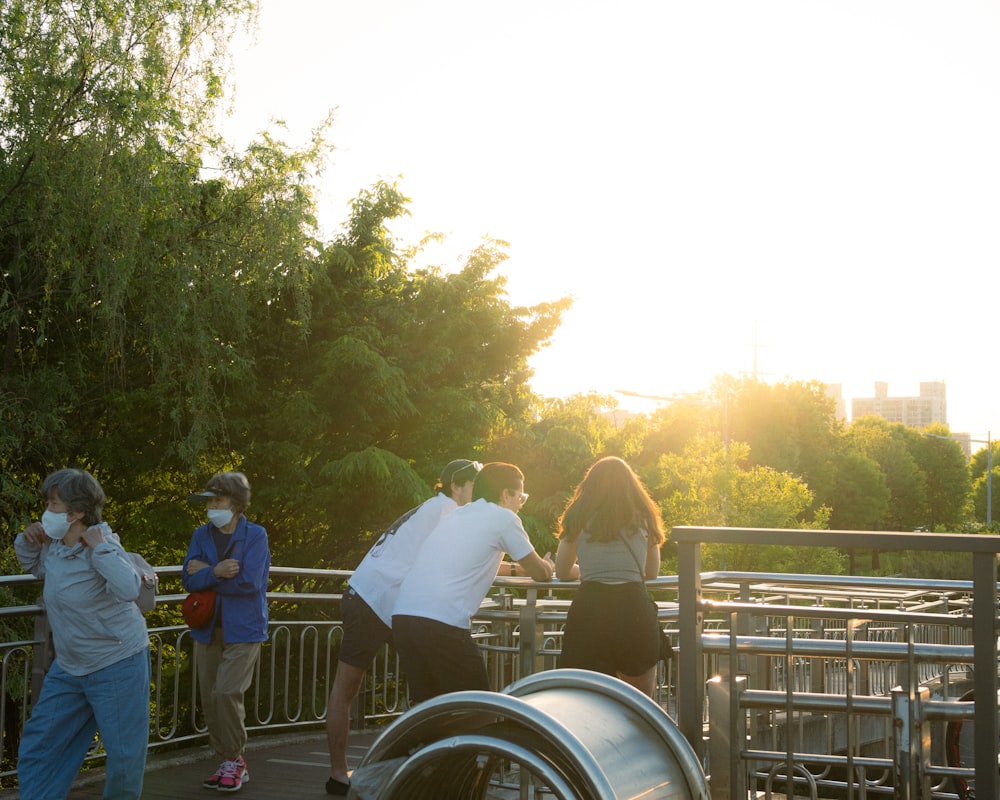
x: 836, y: 393
x: 914, y: 412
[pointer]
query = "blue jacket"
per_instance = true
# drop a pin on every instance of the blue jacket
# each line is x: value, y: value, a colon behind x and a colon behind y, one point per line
x: 243, y: 598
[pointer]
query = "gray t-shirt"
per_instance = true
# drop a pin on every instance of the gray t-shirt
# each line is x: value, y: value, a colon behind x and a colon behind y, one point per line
x: 616, y: 561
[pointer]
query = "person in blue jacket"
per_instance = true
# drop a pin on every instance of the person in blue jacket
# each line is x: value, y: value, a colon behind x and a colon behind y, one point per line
x: 230, y: 555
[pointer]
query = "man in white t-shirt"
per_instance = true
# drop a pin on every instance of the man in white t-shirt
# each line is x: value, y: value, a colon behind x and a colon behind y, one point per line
x: 369, y: 599
x: 453, y: 572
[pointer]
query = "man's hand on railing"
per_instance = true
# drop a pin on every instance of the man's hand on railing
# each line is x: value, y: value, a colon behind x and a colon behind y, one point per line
x: 532, y: 566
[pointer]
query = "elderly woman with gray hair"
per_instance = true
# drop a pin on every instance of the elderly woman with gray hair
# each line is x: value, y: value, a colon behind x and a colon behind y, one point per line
x: 99, y: 680
x: 230, y: 556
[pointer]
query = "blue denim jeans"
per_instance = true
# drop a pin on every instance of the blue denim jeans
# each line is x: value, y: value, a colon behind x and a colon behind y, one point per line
x: 67, y: 715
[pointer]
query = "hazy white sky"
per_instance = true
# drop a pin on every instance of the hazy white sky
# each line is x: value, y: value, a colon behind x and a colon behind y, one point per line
x: 826, y: 174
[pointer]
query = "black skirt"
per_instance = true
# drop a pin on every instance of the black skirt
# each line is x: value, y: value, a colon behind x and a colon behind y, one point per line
x: 611, y: 628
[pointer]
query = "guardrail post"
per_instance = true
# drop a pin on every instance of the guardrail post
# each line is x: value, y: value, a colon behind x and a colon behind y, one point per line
x: 762, y: 668
x: 911, y: 743
x: 984, y: 631
x: 529, y: 646
x: 817, y: 666
x: 691, y: 664
x: 864, y: 666
x: 41, y: 658
x: 727, y: 737
x: 742, y: 667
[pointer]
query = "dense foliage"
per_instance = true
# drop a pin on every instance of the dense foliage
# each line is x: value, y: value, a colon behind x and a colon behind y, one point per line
x: 168, y: 309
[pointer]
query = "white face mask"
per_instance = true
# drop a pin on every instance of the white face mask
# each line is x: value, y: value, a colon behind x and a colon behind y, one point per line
x: 55, y: 525
x: 220, y: 517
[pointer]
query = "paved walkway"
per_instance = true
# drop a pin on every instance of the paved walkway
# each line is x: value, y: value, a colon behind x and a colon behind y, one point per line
x: 281, y: 767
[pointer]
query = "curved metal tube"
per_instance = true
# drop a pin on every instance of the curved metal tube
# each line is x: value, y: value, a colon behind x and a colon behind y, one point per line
x: 585, y: 735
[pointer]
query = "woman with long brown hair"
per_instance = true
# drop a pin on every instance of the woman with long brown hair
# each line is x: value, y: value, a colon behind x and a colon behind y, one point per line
x: 609, y: 537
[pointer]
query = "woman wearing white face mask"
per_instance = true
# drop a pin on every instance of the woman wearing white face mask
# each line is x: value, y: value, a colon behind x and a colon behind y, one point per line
x: 229, y: 555
x: 99, y: 680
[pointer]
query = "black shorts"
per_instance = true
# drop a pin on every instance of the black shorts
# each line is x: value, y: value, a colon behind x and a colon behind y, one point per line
x: 364, y: 632
x: 611, y: 628
x: 437, y: 658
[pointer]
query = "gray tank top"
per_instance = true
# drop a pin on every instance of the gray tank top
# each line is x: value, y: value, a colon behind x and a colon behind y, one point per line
x: 616, y: 561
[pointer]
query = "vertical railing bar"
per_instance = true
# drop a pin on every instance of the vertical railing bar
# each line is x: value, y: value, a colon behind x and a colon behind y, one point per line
x: 789, y: 711
x: 849, y: 719
x: 984, y: 624
x: 691, y: 678
x: 911, y: 696
x: 318, y: 705
x: 737, y: 740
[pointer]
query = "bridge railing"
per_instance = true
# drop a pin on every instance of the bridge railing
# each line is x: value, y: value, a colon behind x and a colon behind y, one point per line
x: 797, y: 637
x: 519, y: 630
x: 838, y: 684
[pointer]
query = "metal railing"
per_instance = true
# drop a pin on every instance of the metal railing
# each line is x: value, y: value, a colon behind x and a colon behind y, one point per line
x: 518, y: 629
x: 770, y: 676
x: 822, y: 688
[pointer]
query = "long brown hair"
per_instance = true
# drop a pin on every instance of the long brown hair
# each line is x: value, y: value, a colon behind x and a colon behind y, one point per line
x: 610, y: 498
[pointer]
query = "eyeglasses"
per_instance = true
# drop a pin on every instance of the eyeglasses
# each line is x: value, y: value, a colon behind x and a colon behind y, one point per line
x: 524, y: 498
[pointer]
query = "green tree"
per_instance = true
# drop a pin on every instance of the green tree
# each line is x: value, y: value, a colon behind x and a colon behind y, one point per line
x: 129, y: 284
x: 892, y: 447
x: 791, y: 427
x: 672, y: 427
x: 861, y: 495
x: 978, y: 472
x: 709, y: 484
x: 168, y: 310
x: 948, y: 481
x: 399, y: 372
x: 694, y: 486
x: 555, y: 446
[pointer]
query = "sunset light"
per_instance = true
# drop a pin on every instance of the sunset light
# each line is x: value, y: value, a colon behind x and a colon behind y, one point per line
x: 797, y: 190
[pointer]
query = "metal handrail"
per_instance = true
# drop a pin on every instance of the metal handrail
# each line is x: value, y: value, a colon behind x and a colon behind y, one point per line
x: 519, y: 630
x: 984, y: 631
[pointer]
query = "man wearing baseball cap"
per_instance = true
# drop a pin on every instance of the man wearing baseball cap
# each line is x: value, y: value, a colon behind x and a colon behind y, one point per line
x: 369, y: 599
x: 451, y: 575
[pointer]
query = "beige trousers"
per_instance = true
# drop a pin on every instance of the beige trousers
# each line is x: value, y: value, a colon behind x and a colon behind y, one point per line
x: 225, y: 672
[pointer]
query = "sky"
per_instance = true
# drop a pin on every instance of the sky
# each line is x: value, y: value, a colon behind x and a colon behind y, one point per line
x: 795, y: 190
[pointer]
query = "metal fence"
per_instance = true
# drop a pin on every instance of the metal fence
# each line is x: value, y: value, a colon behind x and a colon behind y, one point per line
x: 518, y: 630
x: 821, y: 678
x: 837, y: 686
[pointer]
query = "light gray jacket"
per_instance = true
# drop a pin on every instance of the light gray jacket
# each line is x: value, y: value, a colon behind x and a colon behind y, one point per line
x: 89, y: 598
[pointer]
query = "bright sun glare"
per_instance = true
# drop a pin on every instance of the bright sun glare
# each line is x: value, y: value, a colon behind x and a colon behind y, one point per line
x: 804, y: 189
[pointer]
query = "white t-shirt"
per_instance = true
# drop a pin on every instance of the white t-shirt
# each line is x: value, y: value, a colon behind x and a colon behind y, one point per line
x: 458, y: 563
x: 380, y: 573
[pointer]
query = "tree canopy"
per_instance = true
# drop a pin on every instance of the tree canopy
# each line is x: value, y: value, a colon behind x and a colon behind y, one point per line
x: 169, y: 309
